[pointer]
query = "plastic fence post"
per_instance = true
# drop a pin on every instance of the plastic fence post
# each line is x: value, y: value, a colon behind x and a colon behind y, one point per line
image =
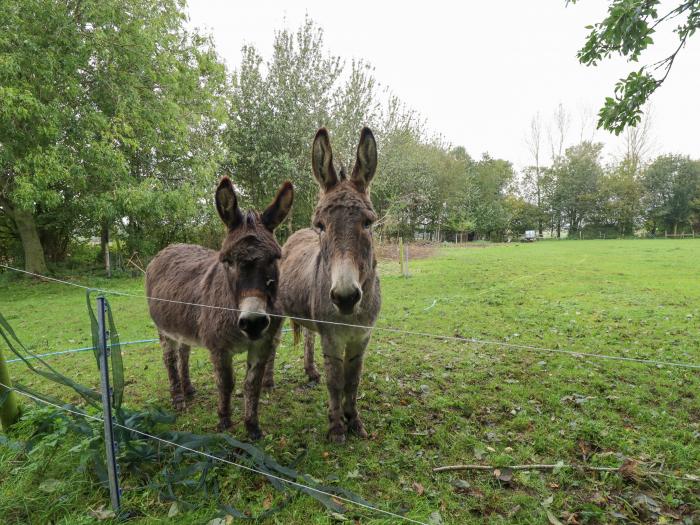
x: 110, y: 445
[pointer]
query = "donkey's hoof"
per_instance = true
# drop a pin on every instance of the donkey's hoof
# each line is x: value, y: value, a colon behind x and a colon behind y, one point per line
x: 314, y: 376
x: 254, y: 432
x: 224, y: 424
x: 356, y: 427
x: 337, y: 435
x: 190, y: 392
x: 179, y: 403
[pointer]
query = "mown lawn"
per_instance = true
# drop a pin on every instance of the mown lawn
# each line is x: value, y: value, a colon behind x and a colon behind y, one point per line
x: 430, y: 402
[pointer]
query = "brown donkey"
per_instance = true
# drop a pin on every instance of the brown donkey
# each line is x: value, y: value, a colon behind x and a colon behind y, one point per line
x: 240, y: 279
x: 328, y: 273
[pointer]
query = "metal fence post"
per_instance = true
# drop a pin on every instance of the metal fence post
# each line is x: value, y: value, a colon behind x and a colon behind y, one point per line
x: 110, y: 445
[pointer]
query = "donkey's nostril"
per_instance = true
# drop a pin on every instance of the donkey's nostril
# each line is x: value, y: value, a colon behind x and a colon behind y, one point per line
x: 253, y: 325
x: 346, y: 301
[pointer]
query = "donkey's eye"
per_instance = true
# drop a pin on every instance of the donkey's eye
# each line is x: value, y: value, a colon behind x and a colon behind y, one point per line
x: 367, y: 224
x: 320, y: 226
x: 269, y: 282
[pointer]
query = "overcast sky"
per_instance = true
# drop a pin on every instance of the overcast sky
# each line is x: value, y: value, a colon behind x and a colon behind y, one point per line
x: 477, y: 71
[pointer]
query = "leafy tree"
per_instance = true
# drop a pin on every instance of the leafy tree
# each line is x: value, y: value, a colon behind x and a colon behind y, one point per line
x: 619, y: 199
x: 628, y: 31
x: 404, y: 190
x: 490, y: 181
x: 671, y: 192
x: 277, y: 106
x: 102, y: 101
x: 521, y: 215
x: 574, y: 178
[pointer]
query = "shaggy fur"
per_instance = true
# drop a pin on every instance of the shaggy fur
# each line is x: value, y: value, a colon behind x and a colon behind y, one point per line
x: 246, y: 265
x: 341, y: 233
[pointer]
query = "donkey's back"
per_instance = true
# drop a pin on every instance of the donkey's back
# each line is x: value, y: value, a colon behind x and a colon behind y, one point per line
x: 186, y: 273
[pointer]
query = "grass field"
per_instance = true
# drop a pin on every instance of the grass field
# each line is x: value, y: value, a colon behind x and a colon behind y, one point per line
x: 429, y: 402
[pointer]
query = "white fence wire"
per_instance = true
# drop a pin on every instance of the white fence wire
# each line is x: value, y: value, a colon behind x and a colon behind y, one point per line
x: 217, y: 458
x: 523, y: 347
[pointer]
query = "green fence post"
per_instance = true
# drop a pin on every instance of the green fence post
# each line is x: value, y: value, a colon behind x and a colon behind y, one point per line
x: 9, y: 410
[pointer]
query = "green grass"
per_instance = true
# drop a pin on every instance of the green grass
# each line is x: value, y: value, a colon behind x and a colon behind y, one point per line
x: 430, y: 402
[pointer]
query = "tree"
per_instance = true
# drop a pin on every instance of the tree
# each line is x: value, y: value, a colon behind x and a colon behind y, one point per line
x: 490, y: 179
x: 102, y: 100
x: 276, y: 109
x: 619, y: 199
x: 534, y: 144
x: 671, y: 191
x: 575, y: 177
x: 638, y: 143
x: 521, y: 215
x: 628, y: 31
x: 557, y: 131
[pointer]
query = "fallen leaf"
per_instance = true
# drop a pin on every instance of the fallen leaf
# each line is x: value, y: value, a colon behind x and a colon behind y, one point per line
x: 101, y: 513
x: 557, y: 468
x: 49, y: 485
x: 628, y: 470
x: 338, y: 517
x: 553, y: 519
x: 547, y: 501
x: 504, y: 474
x: 512, y: 512
x: 435, y: 518
x: 267, y: 502
x: 418, y: 488
x: 646, y: 504
x: 173, y: 511
x: 460, y: 484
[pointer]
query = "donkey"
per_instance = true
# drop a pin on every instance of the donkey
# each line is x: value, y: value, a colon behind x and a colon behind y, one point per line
x: 328, y: 273
x: 240, y: 282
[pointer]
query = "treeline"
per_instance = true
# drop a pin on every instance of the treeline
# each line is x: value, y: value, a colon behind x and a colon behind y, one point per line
x: 579, y: 196
x: 116, y: 122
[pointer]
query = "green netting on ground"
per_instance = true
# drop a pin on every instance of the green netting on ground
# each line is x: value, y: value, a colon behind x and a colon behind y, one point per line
x: 174, y: 473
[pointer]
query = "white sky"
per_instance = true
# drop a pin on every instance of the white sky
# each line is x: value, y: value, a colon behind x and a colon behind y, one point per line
x: 477, y: 71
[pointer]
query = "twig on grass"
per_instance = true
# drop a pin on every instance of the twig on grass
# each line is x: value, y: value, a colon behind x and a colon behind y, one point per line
x: 629, y: 469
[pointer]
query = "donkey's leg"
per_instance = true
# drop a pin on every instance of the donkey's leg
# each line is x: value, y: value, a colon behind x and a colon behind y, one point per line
x: 223, y: 372
x: 309, y: 364
x: 335, y: 381
x: 269, y: 374
x: 170, y: 360
x: 257, y: 360
x: 183, y: 367
x: 354, y: 356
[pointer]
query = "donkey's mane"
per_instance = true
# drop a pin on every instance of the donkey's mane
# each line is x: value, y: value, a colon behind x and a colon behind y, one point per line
x: 251, y: 218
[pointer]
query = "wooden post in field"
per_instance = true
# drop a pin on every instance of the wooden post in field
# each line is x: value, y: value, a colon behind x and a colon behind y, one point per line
x: 401, y: 255
x: 405, y: 250
x: 9, y: 411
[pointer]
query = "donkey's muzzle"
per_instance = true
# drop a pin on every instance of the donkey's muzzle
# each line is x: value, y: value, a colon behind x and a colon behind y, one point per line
x: 253, y: 324
x: 346, y: 300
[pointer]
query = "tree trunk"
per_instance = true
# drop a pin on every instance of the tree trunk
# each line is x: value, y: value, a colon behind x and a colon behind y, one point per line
x: 34, y: 260
x: 9, y: 410
x: 104, y: 247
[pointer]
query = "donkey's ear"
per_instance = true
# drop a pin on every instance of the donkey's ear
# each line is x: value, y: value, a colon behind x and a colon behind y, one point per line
x: 227, y: 204
x: 279, y: 208
x: 366, y: 162
x: 322, y: 160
